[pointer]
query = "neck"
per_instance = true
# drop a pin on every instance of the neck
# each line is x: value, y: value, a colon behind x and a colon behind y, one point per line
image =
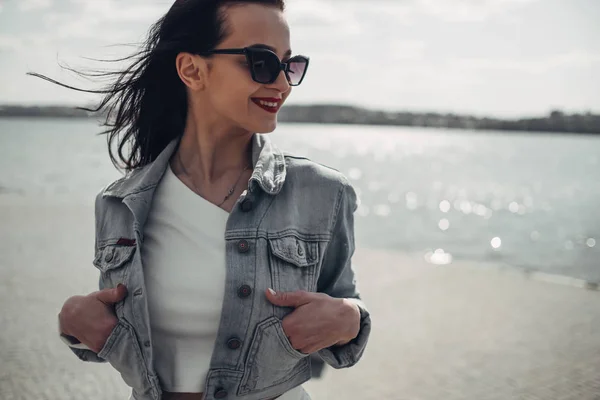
x: 210, y: 151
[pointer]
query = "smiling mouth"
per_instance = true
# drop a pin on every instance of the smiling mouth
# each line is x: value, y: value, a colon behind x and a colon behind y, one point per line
x: 269, y: 105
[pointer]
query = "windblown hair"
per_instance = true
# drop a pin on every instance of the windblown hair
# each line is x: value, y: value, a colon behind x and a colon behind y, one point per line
x: 144, y: 106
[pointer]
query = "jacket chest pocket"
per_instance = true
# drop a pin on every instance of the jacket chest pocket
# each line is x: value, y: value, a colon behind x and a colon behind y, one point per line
x: 294, y: 263
x: 113, y: 262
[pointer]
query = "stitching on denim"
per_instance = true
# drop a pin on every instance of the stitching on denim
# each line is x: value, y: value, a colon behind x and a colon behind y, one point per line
x: 302, y: 366
x: 277, y: 247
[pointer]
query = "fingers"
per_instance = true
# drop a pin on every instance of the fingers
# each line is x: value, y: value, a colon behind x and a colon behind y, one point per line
x: 298, y: 344
x: 307, y: 344
x: 314, y: 346
x: 290, y: 299
x: 308, y: 350
x: 111, y: 296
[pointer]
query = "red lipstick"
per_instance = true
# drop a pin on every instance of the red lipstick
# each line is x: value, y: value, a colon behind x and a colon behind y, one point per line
x: 269, y: 104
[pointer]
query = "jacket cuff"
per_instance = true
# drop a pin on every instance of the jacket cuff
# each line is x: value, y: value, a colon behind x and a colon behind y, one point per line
x: 87, y: 355
x: 348, y: 355
x: 73, y: 342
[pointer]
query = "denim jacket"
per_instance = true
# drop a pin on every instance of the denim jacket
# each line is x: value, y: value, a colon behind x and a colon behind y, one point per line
x: 292, y: 229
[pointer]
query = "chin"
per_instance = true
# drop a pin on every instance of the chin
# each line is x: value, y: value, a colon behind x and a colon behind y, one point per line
x: 265, y: 126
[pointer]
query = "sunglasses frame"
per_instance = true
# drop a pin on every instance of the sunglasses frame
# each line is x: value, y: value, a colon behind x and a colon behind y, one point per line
x: 247, y: 51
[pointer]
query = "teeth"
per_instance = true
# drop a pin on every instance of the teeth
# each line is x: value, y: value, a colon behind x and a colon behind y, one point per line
x: 268, y: 104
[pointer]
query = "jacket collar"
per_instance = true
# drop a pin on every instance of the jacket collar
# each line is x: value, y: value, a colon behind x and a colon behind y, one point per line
x: 267, y: 160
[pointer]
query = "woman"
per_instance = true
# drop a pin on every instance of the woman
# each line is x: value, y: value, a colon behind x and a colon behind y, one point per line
x: 211, y: 288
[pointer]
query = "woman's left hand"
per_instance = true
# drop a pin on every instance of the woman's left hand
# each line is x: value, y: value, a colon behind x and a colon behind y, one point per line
x: 319, y: 321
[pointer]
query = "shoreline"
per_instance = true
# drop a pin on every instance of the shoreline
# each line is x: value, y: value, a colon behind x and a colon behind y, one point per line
x: 556, y: 121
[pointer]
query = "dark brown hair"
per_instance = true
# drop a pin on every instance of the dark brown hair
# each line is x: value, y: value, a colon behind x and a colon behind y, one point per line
x: 145, y: 105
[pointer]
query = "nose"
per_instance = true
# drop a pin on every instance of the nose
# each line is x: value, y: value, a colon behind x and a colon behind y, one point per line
x: 281, y: 83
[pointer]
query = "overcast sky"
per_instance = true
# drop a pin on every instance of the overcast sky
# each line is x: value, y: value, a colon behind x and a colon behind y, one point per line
x: 486, y: 57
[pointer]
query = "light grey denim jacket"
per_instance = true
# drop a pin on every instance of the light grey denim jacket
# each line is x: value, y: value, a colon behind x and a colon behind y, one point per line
x: 292, y: 229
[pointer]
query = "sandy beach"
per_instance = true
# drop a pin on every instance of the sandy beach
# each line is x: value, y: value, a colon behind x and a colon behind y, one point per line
x: 459, y: 331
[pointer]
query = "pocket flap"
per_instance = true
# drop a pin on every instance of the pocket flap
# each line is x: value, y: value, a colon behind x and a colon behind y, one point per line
x: 111, y: 257
x: 296, y: 251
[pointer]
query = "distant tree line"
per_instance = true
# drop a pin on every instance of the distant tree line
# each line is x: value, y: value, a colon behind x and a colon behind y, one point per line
x: 555, y: 121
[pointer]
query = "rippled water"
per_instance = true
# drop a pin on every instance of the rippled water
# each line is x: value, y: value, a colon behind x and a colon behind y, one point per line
x: 531, y: 201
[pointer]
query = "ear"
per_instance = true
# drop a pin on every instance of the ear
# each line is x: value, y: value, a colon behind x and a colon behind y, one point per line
x: 192, y: 70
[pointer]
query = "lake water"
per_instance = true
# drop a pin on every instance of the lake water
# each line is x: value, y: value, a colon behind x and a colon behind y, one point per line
x: 530, y: 201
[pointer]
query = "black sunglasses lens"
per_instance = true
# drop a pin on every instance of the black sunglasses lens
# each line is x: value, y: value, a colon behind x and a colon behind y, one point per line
x: 265, y: 65
x: 296, y: 70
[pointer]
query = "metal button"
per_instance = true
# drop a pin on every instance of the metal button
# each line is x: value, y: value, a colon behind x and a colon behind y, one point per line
x: 109, y: 257
x: 243, y: 246
x: 234, y: 343
x: 244, y: 291
x: 138, y: 292
x: 221, y: 393
x: 247, y: 205
x: 300, y: 251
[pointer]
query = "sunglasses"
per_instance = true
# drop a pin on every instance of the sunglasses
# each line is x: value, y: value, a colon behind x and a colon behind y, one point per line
x: 265, y: 66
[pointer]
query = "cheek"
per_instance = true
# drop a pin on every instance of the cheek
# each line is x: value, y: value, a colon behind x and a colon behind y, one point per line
x: 234, y: 94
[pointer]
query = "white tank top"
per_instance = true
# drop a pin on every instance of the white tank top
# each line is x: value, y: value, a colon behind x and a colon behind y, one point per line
x: 184, y: 270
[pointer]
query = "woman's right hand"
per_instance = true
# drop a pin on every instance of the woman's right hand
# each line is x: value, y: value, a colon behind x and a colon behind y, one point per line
x: 91, y: 319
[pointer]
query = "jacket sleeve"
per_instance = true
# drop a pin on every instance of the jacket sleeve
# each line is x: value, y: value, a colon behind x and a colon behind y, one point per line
x: 78, y: 348
x: 338, y: 279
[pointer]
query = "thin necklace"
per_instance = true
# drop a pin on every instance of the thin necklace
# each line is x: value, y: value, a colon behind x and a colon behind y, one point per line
x: 229, y: 193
